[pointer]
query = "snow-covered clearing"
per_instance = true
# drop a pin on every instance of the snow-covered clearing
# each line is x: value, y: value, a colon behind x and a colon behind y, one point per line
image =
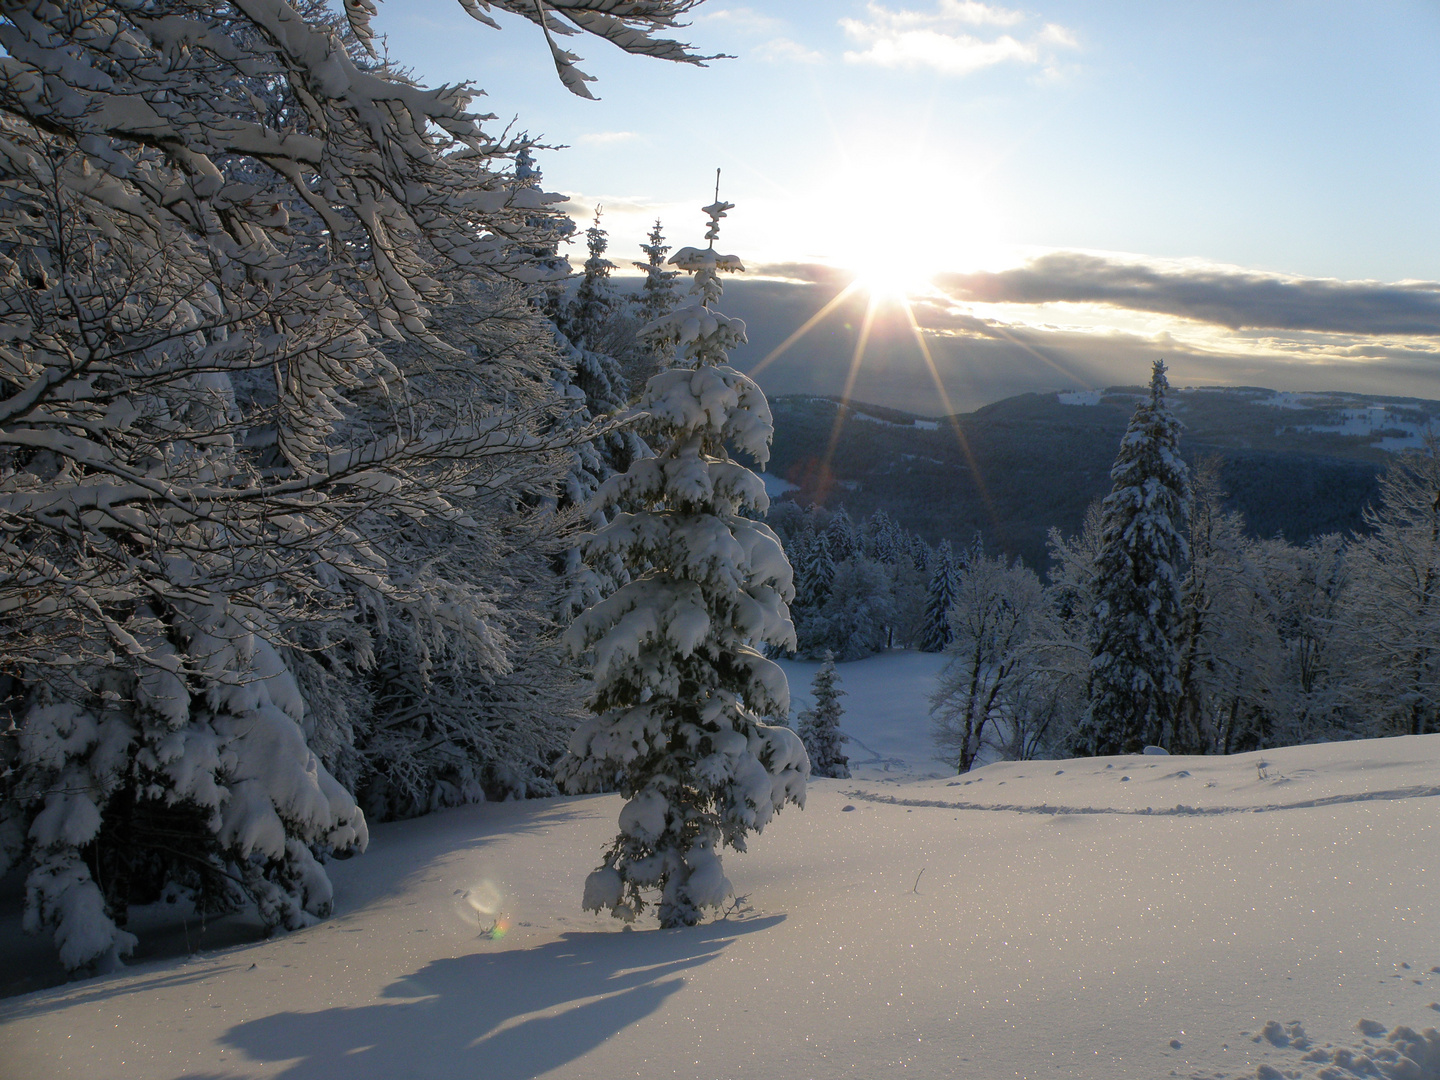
x: 1115, y: 917
x: 775, y: 486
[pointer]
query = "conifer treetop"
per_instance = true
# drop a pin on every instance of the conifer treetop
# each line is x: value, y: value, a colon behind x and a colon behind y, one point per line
x: 701, y: 334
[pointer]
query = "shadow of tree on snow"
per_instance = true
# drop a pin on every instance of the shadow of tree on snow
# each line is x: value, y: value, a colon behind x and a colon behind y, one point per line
x: 502, y: 1015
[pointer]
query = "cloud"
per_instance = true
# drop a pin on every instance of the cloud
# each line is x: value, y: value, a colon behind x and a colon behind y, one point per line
x: 809, y: 272
x: 946, y: 13
x: 951, y: 39
x: 1222, y: 296
x: 983, y: 356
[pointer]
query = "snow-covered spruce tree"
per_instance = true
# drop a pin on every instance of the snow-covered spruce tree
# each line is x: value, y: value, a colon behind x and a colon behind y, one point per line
x: 819, y: 726
x: 936, y: 634
x: 883, y: 537
x: 595, y: 299
x: 657, y: 294
x: 1134, y: 686
x: 598, y: 331
x: 812, y: 591
x: 656, y: 299
x: 817, y: 574
x: 680, y: 683
x: 211, y: 217
x: 842, y: 536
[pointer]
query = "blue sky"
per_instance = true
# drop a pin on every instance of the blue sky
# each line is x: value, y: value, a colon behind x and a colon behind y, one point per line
x: 1278, y: 146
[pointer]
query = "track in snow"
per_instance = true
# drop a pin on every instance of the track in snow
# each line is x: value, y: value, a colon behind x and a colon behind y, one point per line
x: 1179, y: 810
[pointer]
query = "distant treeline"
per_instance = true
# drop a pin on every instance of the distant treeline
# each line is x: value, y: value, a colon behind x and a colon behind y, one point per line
x: 1013, y: 470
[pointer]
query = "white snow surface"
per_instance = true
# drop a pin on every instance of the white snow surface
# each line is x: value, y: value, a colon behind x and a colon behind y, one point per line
x: 1266, y: 915
x: 775, y: 486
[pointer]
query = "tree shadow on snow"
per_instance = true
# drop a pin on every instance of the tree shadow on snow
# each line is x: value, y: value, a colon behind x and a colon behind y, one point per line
x: 403, y: 852
x: 503, y: 1015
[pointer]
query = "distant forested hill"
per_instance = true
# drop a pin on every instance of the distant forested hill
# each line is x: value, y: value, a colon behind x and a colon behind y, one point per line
x: 1298, y: 465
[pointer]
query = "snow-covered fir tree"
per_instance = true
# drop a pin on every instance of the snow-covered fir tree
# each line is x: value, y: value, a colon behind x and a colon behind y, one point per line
x: 819, y: 726
x: 657, y: 294
x: 656, y: 299
x: 817, y: 573
x: 842, y: 536
x: 595, y: 299
x: 594, y: 325
x: 681, y: 686
x: 1134, y: 684
x: 936, y: 633
x: 213, y: 219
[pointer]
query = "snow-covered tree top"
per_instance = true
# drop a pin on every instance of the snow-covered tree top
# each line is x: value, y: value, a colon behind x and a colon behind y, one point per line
x: 694, y: 260
x: 704, y: 334
x: 715, y: 211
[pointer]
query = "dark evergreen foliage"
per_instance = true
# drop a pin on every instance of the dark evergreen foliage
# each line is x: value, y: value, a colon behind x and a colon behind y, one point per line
x: 820, y: 726
x: 939, y: 598
x: 1134, y: 684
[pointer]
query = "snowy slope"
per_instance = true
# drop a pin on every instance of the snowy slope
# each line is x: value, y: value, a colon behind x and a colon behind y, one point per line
x: 887, y: 712
x: 1032, y: 919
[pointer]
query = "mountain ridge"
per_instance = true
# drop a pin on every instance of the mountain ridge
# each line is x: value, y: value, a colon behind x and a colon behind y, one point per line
x: 1294, y: 464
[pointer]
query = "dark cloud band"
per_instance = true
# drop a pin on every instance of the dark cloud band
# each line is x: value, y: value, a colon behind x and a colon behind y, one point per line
x: 1235, y: 299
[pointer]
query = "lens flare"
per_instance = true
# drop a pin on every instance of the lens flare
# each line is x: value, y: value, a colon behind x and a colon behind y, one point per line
x: 480, y: 904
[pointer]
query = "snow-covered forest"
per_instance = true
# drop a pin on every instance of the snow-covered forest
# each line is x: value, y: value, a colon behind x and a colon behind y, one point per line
x: 302, y: 435
x: 1235, y: 642
x: 332, y: 496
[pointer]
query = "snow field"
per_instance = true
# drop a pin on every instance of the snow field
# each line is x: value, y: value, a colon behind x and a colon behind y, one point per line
x: 887, y: 712
x: 1051, y: 927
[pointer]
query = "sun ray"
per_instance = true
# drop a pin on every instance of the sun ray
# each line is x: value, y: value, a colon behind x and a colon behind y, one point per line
x: 775, y: 353
x: 950, y: 415
x: 1001, y: 331
x: 850, y: 378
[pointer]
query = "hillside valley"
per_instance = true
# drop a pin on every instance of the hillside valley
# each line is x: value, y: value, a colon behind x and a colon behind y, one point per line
x: 1297, y: 465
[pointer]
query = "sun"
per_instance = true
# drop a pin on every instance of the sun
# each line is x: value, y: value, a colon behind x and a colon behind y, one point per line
x: 896, y: 245
x: 885, y: 280
x: 890, y: 263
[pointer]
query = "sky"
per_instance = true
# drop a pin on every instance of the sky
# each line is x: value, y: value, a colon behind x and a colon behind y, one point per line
x: 1040, y: 196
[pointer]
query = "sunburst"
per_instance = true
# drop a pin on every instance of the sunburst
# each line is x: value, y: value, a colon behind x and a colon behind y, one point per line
x: 886, y: 283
